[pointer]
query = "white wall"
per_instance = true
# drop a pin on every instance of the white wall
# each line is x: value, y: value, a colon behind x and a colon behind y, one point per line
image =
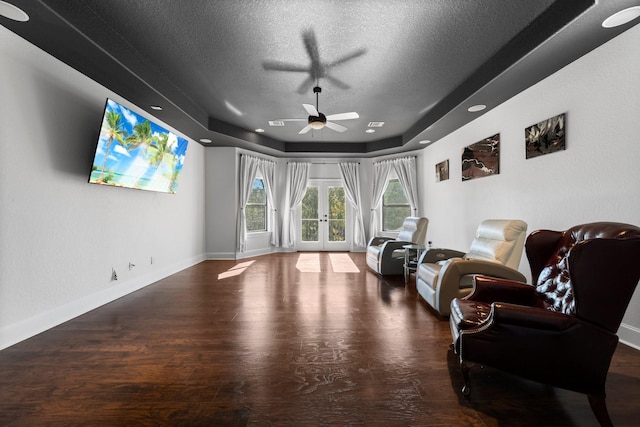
x: 221, y: 199
x: 596, y: 178
x: 60, y: 236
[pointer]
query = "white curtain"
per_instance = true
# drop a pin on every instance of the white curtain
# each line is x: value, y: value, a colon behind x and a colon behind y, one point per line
x: 380, y: 175
x: 351, y: 180
x: 248, y: 170
x: 269, y: 178
x: 297, y: 179
x: 405, y: 168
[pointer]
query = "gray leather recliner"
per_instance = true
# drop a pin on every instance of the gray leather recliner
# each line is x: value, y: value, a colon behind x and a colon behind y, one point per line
x: 445, y: 274
x: 385, y: 255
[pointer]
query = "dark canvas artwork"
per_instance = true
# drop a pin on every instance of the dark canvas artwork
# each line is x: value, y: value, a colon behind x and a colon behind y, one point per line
x: 482, y: 158
x: 545, y: 137
x: 442, y: 171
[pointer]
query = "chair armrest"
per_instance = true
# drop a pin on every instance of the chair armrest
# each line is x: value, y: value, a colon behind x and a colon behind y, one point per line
x: 489, y: 289
x: 377, y: 241
x: 530, y: 317
x: 454, y: 269
x: 459, y: 267
x: 392, y: 245
x: 439, y: 254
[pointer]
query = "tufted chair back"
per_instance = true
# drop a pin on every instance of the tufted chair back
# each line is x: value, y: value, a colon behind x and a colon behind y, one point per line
x: 572, y: 279
x: 414, y: 229
x: 499, y: 240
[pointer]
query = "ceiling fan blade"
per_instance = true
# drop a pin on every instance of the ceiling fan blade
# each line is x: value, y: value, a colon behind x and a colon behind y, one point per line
x: 343, y: 116
x: 335, y: 126
x: 347, y: 57
x: 338, y: 83
x: 284, y: 66
x: 305, y: 85
x: 311, y: 44
x: 304, y: 130
x: 311, y: 109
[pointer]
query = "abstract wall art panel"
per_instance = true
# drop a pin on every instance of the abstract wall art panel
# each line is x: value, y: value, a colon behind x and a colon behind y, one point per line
x: 442, y: 171
x: 481, y: 159
x: 545, y: 137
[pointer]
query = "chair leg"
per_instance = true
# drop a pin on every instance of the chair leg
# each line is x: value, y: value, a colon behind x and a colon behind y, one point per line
x: 466, y: 389
x: 599, y: 407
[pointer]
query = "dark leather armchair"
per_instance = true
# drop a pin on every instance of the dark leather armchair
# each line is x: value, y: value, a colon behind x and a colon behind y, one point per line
x: 562, y: 330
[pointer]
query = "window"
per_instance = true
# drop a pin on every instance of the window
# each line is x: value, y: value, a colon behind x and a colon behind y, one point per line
x: 395, y: 206
x: 256, y: 209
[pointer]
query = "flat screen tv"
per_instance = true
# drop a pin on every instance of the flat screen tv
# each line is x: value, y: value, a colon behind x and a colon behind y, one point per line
x: 134, y: 152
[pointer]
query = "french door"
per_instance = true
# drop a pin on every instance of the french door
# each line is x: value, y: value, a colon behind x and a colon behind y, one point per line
x: 322, y: 218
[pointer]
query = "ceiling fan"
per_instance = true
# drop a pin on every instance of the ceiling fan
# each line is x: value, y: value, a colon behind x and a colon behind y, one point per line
x: 318, y: 68
x: 317, y: 120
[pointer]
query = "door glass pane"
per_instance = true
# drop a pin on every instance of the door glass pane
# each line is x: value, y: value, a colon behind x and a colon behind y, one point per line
x: 309, y: 232
x: 336, y: 220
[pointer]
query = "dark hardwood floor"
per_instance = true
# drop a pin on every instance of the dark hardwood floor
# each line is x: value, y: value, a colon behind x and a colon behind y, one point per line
x: 277, y: 341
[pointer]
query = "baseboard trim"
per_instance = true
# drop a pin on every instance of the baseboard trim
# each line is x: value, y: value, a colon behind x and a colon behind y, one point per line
x: 220, y: 256
x: 13, y: 334
x: 629, y: 335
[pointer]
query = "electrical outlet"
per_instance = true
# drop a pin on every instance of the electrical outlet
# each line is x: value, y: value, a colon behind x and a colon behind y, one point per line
x: 114, y: 275
x: 152, y: 260
x: 131, y: 265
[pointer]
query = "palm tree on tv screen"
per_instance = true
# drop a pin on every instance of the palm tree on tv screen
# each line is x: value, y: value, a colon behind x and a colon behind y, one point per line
x: 161, y: 152
x: 141, y: 135
x: 115, y: 132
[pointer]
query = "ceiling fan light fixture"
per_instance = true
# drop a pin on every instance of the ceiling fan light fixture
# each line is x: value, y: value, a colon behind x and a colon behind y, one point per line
x: 316, y: 124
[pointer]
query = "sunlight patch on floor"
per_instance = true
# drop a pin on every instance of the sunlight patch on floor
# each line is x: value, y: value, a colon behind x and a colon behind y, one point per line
x: 309, y: 263
x: 342, y: 263
x: 236, y: 270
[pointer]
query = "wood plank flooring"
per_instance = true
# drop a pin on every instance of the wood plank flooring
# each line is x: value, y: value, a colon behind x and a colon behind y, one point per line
x: 269, y: 342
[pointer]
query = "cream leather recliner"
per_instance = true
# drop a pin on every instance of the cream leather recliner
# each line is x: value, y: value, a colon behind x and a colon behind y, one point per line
x: 385, y: 255
x: 445, y: 274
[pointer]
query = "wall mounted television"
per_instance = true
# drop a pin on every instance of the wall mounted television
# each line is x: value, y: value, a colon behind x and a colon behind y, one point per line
x: 134, y: 152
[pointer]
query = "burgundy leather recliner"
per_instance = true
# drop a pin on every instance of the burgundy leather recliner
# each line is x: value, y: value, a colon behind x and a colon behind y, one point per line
x: 584, y: 279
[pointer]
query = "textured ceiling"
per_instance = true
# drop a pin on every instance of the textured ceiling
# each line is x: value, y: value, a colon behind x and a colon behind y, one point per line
x: 220, y: 69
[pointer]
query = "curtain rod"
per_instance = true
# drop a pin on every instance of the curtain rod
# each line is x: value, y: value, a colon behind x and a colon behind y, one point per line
x: 394, y: 158
x: 324, y: 163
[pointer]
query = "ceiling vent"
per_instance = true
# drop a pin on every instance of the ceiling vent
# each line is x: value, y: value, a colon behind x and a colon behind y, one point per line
x: 276, y: 123
x: 375, y: 124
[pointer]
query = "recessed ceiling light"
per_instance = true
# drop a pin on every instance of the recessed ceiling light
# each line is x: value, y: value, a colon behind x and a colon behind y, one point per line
x: 476, y: 108
x: 156, y: 107
x: 205, y: 140
x: 370, y: 130
x: 12, y: 12
x: 259, y: 130
x: 425, y: 141
x: 622, y: 17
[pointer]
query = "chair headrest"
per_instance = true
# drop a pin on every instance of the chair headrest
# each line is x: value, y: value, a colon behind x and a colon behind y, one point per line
x: 500, y: 240
x: 414, y: 229
x: 501, y: 229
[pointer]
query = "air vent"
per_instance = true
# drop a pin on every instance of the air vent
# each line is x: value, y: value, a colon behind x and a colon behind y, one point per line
x: 376, y: 124
x: 276, y: 123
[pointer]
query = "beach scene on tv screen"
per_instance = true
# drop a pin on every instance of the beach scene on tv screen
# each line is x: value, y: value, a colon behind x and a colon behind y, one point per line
x: 135, y: 152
